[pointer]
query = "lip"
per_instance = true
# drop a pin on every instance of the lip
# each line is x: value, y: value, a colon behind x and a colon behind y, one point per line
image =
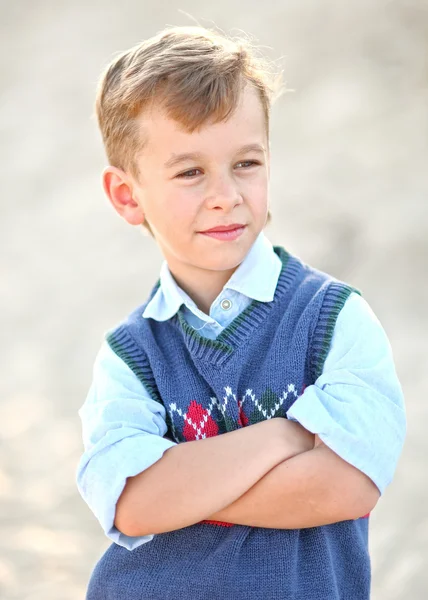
x: 224, y: 228
x: 227, y: 233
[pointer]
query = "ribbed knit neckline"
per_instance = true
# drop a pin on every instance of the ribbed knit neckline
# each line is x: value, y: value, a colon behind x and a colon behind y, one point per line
x: 238, y: 331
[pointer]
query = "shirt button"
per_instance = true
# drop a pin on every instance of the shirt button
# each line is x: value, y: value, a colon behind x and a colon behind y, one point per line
x: 226, y: 304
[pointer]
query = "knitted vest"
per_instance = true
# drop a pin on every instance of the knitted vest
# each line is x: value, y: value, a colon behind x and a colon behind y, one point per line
x: 254, y: 370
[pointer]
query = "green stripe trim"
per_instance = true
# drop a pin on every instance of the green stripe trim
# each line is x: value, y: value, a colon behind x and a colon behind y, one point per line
x: 338, y: 293
x: 128, y: 352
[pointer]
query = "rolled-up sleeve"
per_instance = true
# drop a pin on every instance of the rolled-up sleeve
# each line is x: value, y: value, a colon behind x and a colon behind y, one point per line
x: 356, y: 406
x: 123, y: 431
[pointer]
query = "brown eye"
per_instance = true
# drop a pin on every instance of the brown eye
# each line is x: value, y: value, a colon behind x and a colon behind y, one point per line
x: 248, y: 163
x: 188, y: 174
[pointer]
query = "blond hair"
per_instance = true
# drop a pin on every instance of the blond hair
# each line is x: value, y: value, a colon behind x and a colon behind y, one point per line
x: 195, y: 75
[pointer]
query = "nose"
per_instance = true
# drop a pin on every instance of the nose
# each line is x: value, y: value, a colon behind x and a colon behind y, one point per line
x: 223, y: 193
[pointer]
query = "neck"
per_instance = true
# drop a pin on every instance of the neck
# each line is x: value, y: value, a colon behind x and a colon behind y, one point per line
x: 207, y: 286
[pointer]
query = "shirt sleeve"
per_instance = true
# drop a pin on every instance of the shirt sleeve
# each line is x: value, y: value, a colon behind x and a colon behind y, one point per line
x: 356, y: 406
x: 123, y: 431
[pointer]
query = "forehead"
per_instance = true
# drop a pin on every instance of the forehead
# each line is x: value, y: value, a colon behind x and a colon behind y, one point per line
x: 165, y: 137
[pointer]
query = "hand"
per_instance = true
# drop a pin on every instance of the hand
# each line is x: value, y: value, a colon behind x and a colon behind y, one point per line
x: 306, y: 439
x: 318, y: 442
x: 294, y: 438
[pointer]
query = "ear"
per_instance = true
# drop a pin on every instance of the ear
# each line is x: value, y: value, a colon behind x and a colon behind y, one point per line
x: 119, y: 190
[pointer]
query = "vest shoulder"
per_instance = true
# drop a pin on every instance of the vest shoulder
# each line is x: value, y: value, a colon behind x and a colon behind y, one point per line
x: 310, y: 275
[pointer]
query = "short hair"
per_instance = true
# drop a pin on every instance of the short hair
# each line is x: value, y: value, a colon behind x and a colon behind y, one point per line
x: 194, y: 74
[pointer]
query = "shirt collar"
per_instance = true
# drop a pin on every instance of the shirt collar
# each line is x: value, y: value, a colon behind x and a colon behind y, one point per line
x: 256, y: 277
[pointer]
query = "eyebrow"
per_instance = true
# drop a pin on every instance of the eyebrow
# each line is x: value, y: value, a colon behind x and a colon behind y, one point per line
x: 179, y: 158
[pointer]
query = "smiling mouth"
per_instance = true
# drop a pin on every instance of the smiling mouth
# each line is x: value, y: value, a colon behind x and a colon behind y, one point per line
x: 225, y: 234
x: 231, y: 227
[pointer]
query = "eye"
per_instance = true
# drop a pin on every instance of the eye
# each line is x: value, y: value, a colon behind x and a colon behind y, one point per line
x: 190, y: 174
x: 248, y: 163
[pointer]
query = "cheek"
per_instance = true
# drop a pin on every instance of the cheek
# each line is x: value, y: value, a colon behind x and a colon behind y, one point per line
x: 182, y: 205
x: 257, y: 194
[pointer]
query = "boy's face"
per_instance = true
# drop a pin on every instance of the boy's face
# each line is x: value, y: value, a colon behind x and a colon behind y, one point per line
x: 193, y: 182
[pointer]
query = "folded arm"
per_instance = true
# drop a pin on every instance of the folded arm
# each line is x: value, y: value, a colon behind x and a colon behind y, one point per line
x: 356, y: 408
x: 138, y: 483
x: 194, y: 479
x: 312, y: 489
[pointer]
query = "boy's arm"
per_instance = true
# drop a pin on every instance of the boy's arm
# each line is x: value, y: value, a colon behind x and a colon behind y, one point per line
x: 312, y: 489
x: 194, y: 479
x: 123, y: 432
x: 357, y: 409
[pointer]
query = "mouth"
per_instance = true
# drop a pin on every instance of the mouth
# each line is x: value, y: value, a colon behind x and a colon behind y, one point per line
x: 222, y: 228
x: 225, y: 232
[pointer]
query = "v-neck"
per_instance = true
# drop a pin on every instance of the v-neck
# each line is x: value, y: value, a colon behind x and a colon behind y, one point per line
x: 238, y: 331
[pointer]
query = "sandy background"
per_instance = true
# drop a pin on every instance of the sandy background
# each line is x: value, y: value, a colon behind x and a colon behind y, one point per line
x: 349, y: 195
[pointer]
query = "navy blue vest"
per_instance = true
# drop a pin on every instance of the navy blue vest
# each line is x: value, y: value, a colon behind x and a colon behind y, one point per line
x: 254, y: 370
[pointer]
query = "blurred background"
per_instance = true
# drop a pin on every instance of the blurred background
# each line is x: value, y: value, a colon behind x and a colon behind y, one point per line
x: 349, y: 195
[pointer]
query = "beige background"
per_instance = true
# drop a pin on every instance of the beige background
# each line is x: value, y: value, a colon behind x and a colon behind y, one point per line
x: 349, y: 195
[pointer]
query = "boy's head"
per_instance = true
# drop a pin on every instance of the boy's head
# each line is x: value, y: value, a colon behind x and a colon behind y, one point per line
x: 188, y: 91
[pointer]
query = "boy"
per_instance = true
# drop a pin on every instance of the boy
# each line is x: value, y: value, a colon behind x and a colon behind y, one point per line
x: 278, y: 376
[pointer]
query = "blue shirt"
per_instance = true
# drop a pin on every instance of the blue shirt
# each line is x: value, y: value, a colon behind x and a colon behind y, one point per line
x: 357, y: 396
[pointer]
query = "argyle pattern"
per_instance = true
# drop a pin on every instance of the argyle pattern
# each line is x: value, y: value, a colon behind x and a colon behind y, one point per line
x: 199, y: 422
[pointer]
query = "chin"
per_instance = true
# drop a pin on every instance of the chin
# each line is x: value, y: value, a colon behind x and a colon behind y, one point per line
x: 223, y: 263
